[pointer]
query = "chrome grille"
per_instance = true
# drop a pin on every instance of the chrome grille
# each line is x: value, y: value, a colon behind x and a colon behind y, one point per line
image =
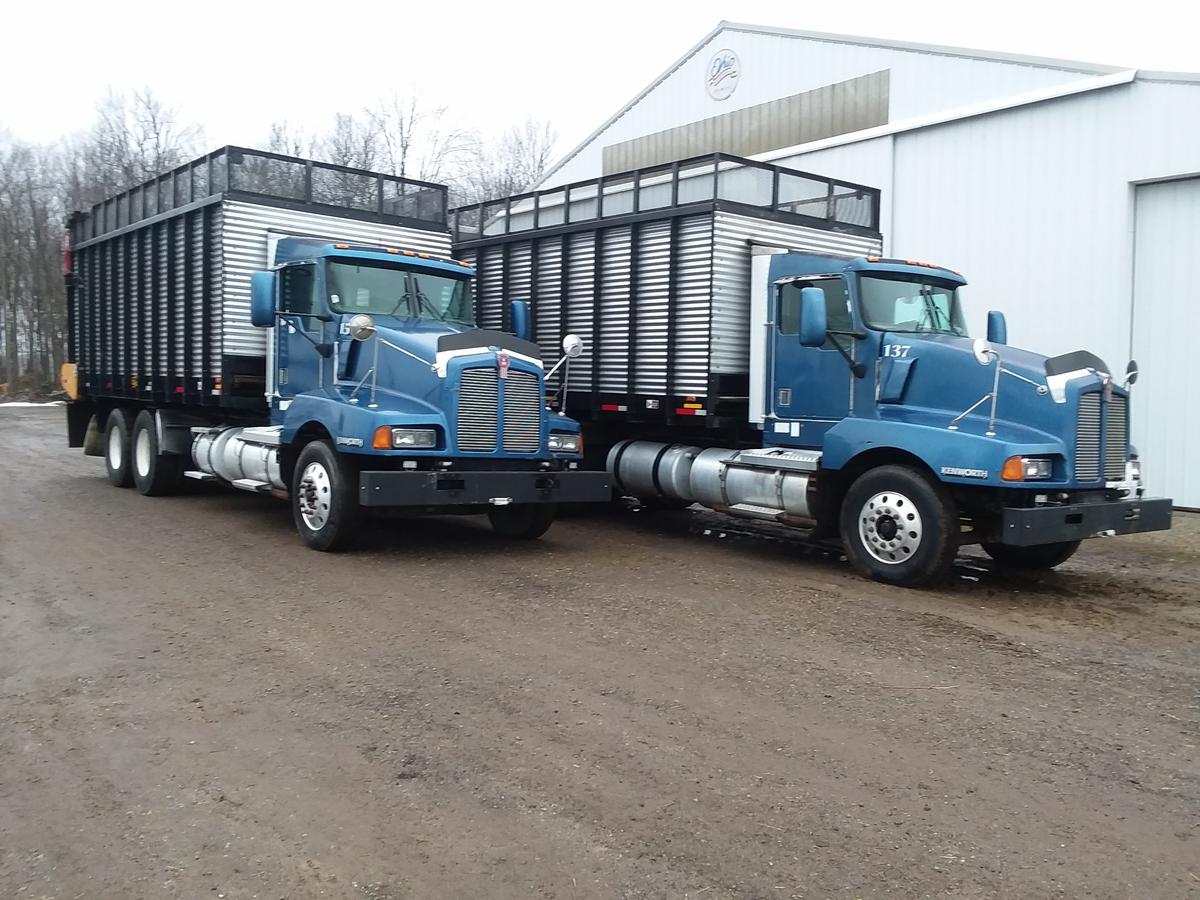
x: 1087, y: 438
x: 1116, y: 438
x: 522, y: 413
x: 478, y: 401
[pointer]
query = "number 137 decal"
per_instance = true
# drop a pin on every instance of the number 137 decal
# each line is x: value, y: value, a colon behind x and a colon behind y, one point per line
x: 898, y: 351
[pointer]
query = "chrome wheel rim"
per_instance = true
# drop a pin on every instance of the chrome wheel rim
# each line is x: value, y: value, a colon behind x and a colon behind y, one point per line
x: 141, y: 452
x: 314, y: 495
x: 889, y: 525
x: 116, y: 452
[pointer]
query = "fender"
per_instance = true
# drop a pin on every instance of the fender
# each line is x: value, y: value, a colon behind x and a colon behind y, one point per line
x: 355, y: 422
x: 956, y: 457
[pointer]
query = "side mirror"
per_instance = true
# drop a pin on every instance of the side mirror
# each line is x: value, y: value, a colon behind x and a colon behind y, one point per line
x: 520, y: 319
x: 361, y: 327
x: 572, y: 346
x: 263, y: 286
x: 997, y: 329
x: 1131, y: 372
x: 983, y: 352
x: 813, y: 321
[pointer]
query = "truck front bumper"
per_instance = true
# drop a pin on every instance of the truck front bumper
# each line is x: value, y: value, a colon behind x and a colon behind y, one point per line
x: 481, y: 488
x: 1050, y: 524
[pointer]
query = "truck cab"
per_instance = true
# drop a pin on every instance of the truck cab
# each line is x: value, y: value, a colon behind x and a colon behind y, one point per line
x: 869, y: 362
x: 384, y: 395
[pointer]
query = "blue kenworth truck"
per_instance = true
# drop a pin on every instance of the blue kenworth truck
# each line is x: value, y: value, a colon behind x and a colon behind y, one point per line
x: 300, y: 329
x: 751, y: 350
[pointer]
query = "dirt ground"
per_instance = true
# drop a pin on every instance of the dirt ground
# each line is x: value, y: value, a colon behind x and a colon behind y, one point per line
x: 639, y: 705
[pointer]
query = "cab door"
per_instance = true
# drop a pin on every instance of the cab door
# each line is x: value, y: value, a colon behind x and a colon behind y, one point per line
x: 299, y: 365
x: 811, y: 386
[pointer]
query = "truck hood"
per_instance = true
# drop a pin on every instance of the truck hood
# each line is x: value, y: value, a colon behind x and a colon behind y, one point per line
x: 940, y: 378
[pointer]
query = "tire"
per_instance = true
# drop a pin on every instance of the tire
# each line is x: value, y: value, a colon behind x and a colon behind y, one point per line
x: 522, y: 521
x: 117, y: 446
x: 324, y: 498
x: 900, y: 526
x: 1041, y: 556
x: 154, y: 473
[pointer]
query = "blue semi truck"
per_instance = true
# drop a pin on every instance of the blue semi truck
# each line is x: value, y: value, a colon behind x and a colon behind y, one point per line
x: 299, y: 329
x: 751, y: 350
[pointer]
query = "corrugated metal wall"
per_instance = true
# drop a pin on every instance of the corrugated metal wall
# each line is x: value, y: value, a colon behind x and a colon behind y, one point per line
x: 774, y: 66
x: 1030, y: 205
x: 808, y: 116
x: 1166, y: 430
x: 245, y: 230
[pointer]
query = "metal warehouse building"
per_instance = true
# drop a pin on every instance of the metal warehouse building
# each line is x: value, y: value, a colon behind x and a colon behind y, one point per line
x: 1067, y: 193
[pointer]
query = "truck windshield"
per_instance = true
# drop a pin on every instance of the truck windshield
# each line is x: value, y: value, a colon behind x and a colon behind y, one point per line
x: 911, y: 304
x: 397, y: 291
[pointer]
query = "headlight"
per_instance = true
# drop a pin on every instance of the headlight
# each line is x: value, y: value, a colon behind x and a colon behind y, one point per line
x: 414, y: 438
x: 563, y: 443
x: 1133, y: 469
x: 1027, y: 468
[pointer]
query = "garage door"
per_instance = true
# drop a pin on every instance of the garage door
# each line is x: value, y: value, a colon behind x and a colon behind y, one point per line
x: 1166, y: 321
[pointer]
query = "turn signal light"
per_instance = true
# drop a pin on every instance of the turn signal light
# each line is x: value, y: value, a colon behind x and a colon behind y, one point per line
x: 383, y: 438
x: 1026, y: 468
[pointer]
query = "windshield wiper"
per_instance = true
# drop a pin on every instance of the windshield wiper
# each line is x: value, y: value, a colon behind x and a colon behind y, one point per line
x: 428, y: 304
x: 932, y: 311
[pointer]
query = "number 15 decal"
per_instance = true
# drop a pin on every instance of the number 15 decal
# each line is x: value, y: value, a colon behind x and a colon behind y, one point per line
x: 898, y: 351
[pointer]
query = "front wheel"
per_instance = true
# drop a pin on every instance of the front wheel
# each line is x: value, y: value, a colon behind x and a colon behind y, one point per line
x: 325, y: 498
x: 900, y: 526
x: 1041, y: 556
x: 522, y: 521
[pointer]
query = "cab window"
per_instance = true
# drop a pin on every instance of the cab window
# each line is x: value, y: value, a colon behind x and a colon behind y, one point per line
x: 837, y: 307
x: 298, y: 294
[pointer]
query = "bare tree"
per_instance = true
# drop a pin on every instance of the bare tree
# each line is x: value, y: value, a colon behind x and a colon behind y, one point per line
x: 289, y: 140
x: 416, y: 141
x: 509, y: 165
x: 133, y: 139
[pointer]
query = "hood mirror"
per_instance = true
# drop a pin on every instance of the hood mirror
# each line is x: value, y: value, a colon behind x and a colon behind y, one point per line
x: 361, y: 327
x: 1131, y: 372
x: 983, y: 352
x: 573, y: 346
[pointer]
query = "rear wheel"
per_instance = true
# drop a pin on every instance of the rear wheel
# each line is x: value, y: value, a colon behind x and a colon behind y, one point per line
x: 154, y: 473
x: 1041, y: 556
x: 117, y: 432
x: 324, y: 498
x: 522, y: 521
x: 900, y: 526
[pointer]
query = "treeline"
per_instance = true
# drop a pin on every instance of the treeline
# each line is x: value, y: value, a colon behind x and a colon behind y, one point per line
x: 135, y: 137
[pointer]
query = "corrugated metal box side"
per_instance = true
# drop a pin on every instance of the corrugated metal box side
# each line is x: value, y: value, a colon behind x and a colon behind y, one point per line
x: 732, y: 236
x: 612, y: 286
x: 246, y: 231
x: 143, y: 305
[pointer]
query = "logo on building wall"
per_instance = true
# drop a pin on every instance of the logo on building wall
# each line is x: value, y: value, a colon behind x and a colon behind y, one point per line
x: 721, y: 76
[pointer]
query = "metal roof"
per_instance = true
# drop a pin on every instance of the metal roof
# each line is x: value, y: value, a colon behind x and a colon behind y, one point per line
x: 935, y: 49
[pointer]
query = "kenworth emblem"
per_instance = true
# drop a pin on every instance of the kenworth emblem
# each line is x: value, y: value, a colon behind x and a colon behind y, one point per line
x: 502, y: 363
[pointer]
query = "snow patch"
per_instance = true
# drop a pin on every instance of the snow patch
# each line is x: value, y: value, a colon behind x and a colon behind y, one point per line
x: 25, y: 403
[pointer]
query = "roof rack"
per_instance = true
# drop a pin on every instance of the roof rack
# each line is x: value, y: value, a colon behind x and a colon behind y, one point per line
x: 283, y: 180
x: 702, y: 179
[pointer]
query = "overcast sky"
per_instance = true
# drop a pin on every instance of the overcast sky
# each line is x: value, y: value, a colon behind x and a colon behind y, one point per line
x: 234, y: 68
